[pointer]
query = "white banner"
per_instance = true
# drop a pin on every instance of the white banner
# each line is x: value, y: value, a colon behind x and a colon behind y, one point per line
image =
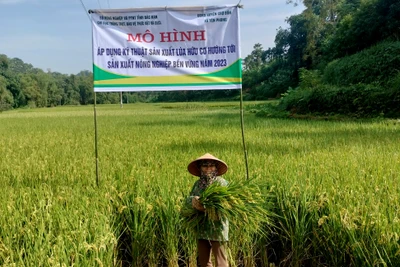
x: 166, y: 48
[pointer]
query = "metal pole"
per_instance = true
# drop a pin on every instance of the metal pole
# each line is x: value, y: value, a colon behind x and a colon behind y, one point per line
x: 242, y: 126
x: 96, y: 152
x: 95, y: 141
x: 121, y: 103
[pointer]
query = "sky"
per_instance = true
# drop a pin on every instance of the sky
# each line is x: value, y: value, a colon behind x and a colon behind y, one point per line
x: 56, y: 35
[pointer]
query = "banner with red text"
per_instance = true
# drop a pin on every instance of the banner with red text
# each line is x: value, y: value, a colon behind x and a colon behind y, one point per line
x: 166, y: 48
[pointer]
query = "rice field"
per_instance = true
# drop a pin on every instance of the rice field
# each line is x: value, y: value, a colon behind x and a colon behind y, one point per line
x: 334, y: 186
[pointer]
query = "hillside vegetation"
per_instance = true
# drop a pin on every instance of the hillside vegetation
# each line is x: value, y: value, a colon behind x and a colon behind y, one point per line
x: 336, y: 57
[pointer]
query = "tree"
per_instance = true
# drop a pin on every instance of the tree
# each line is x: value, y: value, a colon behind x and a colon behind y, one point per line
x: 18, y: 66
x: 30, y: 91
x: 14, y: 86
x: 85, y: 86
x: 255, y: 60
x: 71, y: 91
x: 6, y: 98
x: 290, y: 43
x: 54, y: 95
x: 362, y: 25
x: 3, y: 64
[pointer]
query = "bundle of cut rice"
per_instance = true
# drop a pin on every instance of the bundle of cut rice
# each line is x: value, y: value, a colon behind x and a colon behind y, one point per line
x: 241, y: 203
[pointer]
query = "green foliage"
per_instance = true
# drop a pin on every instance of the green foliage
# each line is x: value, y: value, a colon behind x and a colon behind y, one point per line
x: 359, y: 100
x: 309, y: 78
x: 270, y: 81
x: 33, y: 87
x: 6, y: 98
x: 296, y: 41
x: 276, y: 85
x: 270, y: 111
x: 324, y: 32
x: 362, y: 85
x: 4, y: 62
x: 362, y: 27
x: 278, y: 73
x: 374, y: 65
x: 255, y: 60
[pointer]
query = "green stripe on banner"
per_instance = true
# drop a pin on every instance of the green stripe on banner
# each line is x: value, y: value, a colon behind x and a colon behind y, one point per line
x: 161, y: 85
x: 234, y: 70
x: 100, y: 74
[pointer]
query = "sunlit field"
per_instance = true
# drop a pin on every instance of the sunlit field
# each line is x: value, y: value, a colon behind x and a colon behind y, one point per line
x: 334, y: 186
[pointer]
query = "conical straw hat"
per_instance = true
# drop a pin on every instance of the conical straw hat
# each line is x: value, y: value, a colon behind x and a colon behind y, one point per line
x: 194, y: 169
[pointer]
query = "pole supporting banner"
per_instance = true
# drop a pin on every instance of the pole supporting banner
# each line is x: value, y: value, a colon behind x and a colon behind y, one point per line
x: 243, y: 139
x: 96, y: 151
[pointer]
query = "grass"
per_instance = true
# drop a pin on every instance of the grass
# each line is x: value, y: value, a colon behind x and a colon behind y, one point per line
x: 335, y: 186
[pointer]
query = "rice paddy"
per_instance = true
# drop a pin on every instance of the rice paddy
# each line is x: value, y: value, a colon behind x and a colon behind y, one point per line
x: 334, y: 186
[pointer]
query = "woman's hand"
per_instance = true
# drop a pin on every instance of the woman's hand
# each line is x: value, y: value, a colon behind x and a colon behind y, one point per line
x: 197, y: 204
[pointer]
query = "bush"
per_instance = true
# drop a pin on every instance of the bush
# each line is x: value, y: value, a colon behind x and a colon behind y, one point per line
x: 377, y: 64
x: 360, y: 100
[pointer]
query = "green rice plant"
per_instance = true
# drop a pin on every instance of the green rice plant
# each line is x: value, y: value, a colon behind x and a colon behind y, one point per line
x: 296, y: 222
x: 187, y: 243
x: 44, y: 226
x: 168, y: 226
x: 137, y: 241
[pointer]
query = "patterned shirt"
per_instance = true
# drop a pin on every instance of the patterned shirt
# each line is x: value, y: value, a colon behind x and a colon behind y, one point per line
x: 219, y: 230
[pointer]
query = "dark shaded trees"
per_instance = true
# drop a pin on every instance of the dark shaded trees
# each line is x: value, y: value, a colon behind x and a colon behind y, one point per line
x: 325, y: 31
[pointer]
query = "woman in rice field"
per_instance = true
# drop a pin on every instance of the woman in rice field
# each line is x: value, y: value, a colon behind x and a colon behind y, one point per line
x: 211, y: 238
